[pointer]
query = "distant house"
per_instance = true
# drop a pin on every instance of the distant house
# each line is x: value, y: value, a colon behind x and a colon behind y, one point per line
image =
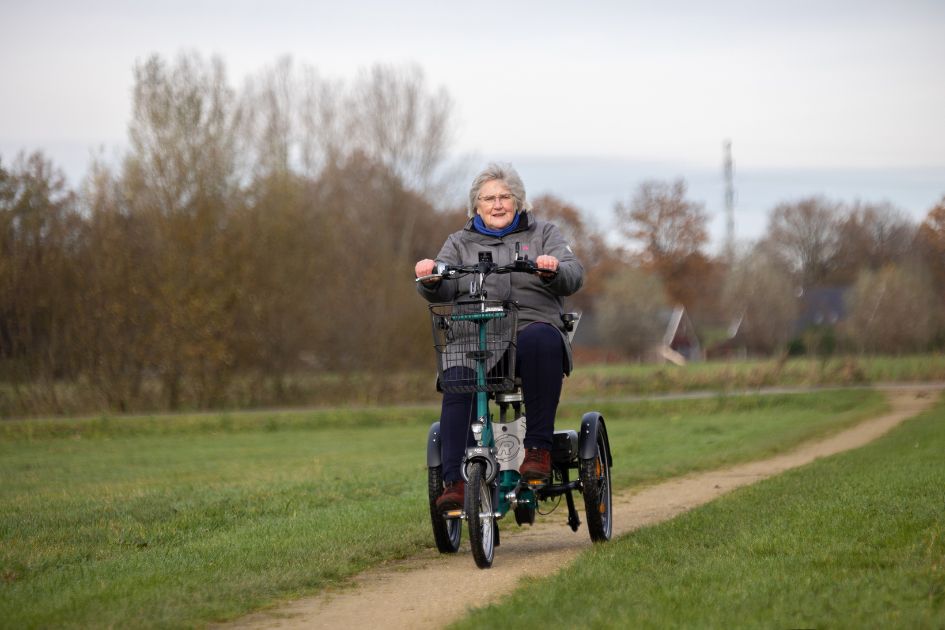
x: 818, y: 307
x: 734, y: 346
x: 677, y: 343
x: 821, y: 306
x: 589, y: 345
x: 680, y: 343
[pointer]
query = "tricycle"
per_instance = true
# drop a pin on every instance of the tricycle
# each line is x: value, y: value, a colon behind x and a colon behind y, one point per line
x: 475, y: 340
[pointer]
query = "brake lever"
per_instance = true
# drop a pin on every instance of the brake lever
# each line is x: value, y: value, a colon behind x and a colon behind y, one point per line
x: 432, y: 276
x: 445, y: 272
x: 524, y: 264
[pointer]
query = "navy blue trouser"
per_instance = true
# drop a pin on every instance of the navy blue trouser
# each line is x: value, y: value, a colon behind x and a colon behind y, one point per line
x: 540, y: 363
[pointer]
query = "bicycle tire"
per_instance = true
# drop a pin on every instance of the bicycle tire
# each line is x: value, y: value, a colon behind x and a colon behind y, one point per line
x: 596, y: 488
x: 479, y: 515
x: 447, y: 532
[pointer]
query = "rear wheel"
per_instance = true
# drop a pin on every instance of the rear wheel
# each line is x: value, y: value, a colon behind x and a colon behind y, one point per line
x: 480, y: 516
x: 446, y: 531
x: 595, y: 485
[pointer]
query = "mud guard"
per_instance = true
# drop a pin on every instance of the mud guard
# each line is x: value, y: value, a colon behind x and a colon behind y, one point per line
x: 434, y: 446
x: 480, y: 454
x: 591, y: 424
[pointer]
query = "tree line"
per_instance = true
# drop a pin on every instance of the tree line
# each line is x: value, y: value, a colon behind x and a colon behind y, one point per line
x: 889, y: 272
x: 254, y: 234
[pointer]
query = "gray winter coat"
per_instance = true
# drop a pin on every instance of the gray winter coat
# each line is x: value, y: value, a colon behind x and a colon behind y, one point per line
x: 538, y: 300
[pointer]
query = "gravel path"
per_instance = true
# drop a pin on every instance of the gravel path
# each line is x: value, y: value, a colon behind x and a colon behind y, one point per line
x: 404, y: 594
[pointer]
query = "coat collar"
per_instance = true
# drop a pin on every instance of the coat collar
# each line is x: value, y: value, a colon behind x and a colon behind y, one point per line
x: 524, y: 223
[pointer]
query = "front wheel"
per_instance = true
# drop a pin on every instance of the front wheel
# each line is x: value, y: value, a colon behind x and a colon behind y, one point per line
x: 480, y: 516
x: 595, y: 485
x: 446, y: 531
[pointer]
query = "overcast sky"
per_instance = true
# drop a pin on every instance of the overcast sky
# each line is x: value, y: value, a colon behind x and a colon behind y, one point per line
x: 830, y: 97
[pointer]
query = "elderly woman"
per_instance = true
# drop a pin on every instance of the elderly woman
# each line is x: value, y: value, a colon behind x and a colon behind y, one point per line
x: 500, y: 218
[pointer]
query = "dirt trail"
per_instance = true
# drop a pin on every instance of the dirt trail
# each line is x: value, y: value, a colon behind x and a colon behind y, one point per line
x: 402, y: 594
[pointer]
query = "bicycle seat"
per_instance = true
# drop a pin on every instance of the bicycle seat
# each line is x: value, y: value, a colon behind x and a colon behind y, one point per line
x: 512, y: 396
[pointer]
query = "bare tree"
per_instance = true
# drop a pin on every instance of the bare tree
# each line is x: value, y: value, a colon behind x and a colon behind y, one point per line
x: 931, y: 244
x: 872, y: 236
x: 323, y: 121
x: 673, y: 231
x: 805, y: 236
x: 761, y: 295
x: 892, y: 310
x: 269, y: 103
x: 398, y: 121
x: 629, y: 311
x: 182, y: 175
x: 39, y: 233
x: 183, y: 133
x: 116, y: 315
x: 670, y: 227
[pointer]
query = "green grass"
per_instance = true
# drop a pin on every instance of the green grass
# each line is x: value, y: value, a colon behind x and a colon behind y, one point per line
x: 626, y: 378
x: 653, y: 440
x: 409, y: 387
x: 164, y: 531
x: 179, y: 520
x: 853, y: 541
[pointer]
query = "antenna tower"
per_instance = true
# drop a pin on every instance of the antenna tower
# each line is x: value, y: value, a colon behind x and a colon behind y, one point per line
x: 729, y: 202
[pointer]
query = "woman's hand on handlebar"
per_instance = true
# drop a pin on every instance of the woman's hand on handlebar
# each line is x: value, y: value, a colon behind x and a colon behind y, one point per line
x: 425, y: 268
x: 546, y: 263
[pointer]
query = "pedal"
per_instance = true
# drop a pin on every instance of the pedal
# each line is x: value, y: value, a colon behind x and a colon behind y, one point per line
x: 453, y: 514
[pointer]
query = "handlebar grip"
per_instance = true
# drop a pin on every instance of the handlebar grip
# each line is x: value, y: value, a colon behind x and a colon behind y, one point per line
x: 432, y: 276
x: 527, y: 266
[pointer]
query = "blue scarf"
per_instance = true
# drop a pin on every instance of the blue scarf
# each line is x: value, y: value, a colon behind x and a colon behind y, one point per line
x: 481, y: 227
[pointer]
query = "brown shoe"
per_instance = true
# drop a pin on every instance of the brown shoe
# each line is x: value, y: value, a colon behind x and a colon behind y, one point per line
x: 537, y: 465
x: 453, y: 496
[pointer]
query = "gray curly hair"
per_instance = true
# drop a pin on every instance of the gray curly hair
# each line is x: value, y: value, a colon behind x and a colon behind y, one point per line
x: 506, y: 173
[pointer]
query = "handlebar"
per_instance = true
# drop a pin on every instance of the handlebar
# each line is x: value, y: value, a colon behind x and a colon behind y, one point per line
x: 487, y: 268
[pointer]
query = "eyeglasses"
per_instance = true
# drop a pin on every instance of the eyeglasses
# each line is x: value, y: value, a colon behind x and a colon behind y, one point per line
x: 490, y: 199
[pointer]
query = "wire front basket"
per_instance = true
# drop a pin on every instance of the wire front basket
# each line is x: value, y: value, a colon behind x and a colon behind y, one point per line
x: 475, y: 345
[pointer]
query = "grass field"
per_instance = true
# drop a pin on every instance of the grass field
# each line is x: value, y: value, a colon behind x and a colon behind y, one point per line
x: 853, y: 541
x: 587, y: 382
x: 622, y: 378
x: 179, y: 520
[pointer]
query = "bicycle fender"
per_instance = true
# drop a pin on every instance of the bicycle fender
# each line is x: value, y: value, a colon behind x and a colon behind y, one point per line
x: 483, y: 454
x: 434, y: 446
x: 591, y: 424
